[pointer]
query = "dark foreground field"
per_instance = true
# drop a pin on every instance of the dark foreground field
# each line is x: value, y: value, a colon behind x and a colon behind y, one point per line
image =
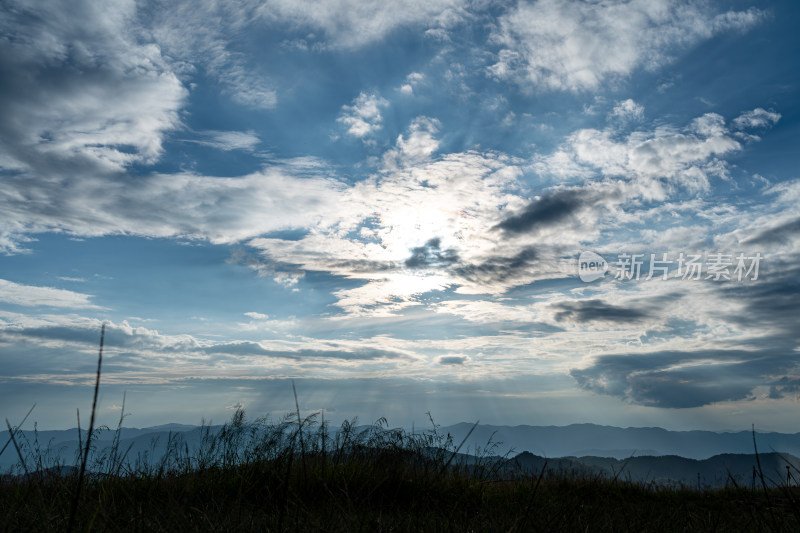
x: 379, y: 497
x: 291, y: 476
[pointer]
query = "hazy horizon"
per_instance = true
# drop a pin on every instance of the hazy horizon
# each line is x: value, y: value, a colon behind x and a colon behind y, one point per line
x: 538, y: 212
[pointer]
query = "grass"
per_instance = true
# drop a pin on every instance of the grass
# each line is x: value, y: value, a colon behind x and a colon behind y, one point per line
x: 249, y: 476
x: 296, y: 474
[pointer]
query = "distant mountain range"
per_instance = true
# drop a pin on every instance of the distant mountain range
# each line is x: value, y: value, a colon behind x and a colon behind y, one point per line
x: 607, y: 441
x: 718, y: 471
x: 63, y: 444
x: 692, y: 458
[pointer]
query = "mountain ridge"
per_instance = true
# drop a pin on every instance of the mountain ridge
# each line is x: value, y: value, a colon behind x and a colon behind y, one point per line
x: 571, y: 440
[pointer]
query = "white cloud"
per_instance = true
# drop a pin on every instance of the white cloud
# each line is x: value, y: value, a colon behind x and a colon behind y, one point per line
x: 198, y: 33
x: 256, y: 316
x: 628, y: 110
x: 417, y: 146
x: 414, y: 198
x: 710, y: 124
x: 248, y: 89
x: 354, y: 23
x: 65, y: 65
x: 486, y: 311
x: 756, y: 118
x: 153, y: 357
x: 576, y: 46
x: 221, y: 210
x: 364, y: 116
x: 459, y: 199
x: 655, y: 162
x: 30, y: 295
x: 229, y: 140
x: 412, y: 80
x: 389, y: 293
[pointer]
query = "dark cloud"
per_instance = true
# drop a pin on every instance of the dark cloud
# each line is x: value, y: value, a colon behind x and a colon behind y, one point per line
x: 118, y: 340
x: 453, y: 360
x: 771, y: 302
x: 362, y: 266
x: 781, y: 234
x: 29, y: 358
x: 266, y: 267
x: 247, y: 348
x: 83, y: 335
x: 676, y: 379
x: 552, y: 209
x: 498, y: 268
x: 597, y: 310
x: 785, y: 386
x: 770, y: 307
x: 116, y: 337
x: 431, y: 255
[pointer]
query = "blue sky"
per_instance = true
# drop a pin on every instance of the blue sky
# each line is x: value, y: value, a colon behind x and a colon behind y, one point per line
x: 386, y: 203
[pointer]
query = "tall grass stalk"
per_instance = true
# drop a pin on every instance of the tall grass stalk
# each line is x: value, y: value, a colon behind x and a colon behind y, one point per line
x: 11, y: 437
x: 85, y: 458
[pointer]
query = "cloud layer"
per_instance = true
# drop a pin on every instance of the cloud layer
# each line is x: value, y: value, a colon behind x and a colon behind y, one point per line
x: 577, y: 46
x: 398, y: 193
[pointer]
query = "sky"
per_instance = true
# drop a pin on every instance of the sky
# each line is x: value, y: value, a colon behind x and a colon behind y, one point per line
x: 539, y: 212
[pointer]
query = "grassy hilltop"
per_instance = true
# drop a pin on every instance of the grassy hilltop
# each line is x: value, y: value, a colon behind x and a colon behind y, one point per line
x: 296, y: 475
